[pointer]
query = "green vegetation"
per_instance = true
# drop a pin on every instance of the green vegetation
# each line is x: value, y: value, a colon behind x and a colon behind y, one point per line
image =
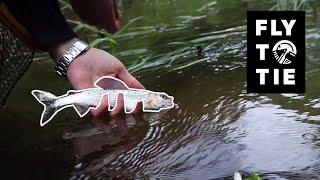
x: 104, y: 40
x: 310, y: 6
x: 253, y: 176
x: 140, y: 41
x: 188, y: 48
x: 293, y: 5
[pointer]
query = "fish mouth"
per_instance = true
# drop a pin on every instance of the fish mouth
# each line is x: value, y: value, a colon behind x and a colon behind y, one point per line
x: 168, y: 103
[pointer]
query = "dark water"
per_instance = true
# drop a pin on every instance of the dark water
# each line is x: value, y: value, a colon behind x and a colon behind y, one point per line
x: 215, y: 128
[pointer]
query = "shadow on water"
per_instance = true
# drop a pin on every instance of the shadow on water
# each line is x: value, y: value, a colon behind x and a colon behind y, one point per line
x: 197, y: 53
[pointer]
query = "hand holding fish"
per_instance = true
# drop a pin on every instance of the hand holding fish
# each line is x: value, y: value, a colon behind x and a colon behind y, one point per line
x: 102, y: 84
x: 93, y: 64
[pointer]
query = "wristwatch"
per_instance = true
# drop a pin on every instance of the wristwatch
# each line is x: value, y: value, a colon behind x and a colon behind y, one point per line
x: 63, y: 63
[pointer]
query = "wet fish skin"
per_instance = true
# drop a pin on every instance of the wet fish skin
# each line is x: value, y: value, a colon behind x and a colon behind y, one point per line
x: 84, y: 100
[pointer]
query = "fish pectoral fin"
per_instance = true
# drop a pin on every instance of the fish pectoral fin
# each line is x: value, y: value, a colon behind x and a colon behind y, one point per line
x: 82, y: 110
x: 130, y: 106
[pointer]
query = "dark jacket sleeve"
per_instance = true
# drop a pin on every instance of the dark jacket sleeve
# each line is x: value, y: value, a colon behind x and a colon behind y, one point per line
x: 43, y: 19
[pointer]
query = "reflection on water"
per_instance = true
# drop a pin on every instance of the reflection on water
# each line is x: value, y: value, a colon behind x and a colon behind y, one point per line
x: 198, y: 55
x: 99, y: 143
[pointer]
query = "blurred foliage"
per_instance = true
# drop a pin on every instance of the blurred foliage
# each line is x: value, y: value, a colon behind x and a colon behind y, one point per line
x: 293, y: 5
x: 94, y: 35
x: 253, y: 176
x: 97, y: 37
x: 151, y: 24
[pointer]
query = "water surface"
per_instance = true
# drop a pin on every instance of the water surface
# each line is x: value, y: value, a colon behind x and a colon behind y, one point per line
x: 214, y: 129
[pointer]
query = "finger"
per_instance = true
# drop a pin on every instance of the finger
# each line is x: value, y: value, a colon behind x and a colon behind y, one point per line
x: 101, y: 109
x: 138, y: 108
x: 131, y: 81
x: 119, y: 109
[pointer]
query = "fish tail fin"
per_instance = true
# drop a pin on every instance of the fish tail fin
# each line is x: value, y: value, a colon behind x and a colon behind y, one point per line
x: 48, y: 101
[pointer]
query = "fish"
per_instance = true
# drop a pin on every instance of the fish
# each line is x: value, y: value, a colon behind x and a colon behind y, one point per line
x: 86, y: 99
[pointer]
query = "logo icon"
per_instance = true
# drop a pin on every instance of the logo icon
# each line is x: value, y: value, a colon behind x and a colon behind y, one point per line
x: 275, y: 52
x: 284, y: 51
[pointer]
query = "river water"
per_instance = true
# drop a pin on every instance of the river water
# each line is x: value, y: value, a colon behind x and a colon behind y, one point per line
x: 196, y: 53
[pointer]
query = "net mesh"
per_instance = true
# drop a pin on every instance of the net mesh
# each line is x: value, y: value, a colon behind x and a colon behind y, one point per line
x: 15, y: 58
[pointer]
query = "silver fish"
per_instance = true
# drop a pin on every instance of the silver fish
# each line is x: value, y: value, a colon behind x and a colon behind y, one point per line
x: 84, y: 100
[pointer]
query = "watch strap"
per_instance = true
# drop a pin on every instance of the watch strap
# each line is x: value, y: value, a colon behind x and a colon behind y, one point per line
x: 63, y: 63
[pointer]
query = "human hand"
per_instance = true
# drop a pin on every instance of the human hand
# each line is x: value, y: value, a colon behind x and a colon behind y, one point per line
x: 93, y: 64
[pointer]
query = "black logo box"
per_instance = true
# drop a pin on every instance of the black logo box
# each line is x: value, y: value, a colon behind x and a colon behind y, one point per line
x: 297, y: 37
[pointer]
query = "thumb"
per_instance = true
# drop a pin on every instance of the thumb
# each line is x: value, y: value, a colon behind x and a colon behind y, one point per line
x: 131, y: 81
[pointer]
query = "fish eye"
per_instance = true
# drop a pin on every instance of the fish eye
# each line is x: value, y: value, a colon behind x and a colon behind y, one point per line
x: 162, y: 96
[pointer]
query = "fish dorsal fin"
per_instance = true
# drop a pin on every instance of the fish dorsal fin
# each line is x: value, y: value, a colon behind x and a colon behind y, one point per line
x: 108, y: 82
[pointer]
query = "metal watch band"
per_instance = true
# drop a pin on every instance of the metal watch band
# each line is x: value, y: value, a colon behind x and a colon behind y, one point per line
x: 64, y: 61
